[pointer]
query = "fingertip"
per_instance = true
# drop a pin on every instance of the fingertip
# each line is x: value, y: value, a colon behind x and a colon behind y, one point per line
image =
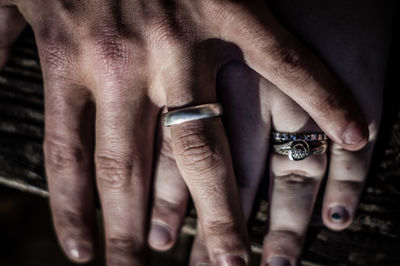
x: 337, y: 217
x: 355, y: 136
x: 79, y: 251
x: 161, y: 236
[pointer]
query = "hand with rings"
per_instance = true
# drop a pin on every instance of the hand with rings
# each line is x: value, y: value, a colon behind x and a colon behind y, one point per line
x: 263, y: 125
x: 109, y: 69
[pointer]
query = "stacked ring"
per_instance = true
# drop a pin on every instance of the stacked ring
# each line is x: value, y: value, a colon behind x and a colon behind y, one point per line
x: 298, y: 146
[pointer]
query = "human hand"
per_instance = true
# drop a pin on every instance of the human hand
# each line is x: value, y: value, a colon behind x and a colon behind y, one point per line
x: 252, y: 106
x: 109, y: 67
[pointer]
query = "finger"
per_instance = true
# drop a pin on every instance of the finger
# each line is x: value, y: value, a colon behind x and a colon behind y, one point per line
x: 124, y: 150
x: 280, y: 58
x: 294, y: 187
x: 238, y: 89
x: 203, y: 158
x: 347, y: 174
x: 68, y: 157
x: 245, y: 97
x: 68, y: 149
x: 170, y: 197
x: 11, y: 25
x: 347, y: 171
x: 199, y: 255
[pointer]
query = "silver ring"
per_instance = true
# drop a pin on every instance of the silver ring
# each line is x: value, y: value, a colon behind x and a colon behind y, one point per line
x: 299, y: 146
x: 191, y: 113
x: 283, y: 136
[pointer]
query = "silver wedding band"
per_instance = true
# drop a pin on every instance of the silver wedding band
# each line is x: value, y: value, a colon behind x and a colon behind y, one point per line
x: 299, y: 146
x: 191, y: 113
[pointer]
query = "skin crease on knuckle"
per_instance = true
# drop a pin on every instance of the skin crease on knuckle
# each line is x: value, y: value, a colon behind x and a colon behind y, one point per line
x: 122, y: 244
x: 294, y: 182
x: 125, y: 250
x: 69, y: 224
x: 166, y: 207
x: 198, y: 149
x: 290, y: 65
x: 60, y: 156
x: 113, y: 173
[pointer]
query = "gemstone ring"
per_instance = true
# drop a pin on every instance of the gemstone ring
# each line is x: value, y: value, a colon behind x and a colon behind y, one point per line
x: 299, y: 146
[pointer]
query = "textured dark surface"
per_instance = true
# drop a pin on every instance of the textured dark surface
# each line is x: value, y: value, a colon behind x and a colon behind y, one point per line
x: 373, y: 239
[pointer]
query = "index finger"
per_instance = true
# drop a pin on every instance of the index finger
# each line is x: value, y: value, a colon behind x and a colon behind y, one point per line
x: 274, y: 53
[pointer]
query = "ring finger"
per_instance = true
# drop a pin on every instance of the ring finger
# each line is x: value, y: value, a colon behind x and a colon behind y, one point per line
x: 294, y: 186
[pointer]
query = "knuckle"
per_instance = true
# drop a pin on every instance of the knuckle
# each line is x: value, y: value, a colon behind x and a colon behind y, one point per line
x: 113, y: 173
x: 329, y: 101
x: 60, y: 155
x: 296, y: 180
x: 56, y: 48
x: 69, y: 220
x: 198, y: 151
x: 112, y: 50
x: 220, y: 227
x: 167, y: 207
x: 71, y: 224
x: 210, y: 188
x: 55, y: 56
x: 124, y: 245
x: 290, y: 65
x: 287, y: 232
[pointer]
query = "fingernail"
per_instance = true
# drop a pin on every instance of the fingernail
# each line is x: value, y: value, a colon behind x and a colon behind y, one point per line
x: 338, y: 214
x: 278, y: 262
x: 353, y: 134
x: 229, y: 260
x: 79, y: 251
x: 160, y: 235
x: 203, y: 264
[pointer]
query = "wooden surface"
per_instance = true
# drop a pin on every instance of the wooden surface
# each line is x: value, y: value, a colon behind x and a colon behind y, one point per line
x: 373, y: 239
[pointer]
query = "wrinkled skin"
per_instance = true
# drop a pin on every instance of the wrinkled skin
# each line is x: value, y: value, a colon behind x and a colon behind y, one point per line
x: 110, y: 68
x: 254, y: 106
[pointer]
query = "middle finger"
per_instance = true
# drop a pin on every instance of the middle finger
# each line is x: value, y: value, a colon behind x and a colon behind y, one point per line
x: 124, y: 141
